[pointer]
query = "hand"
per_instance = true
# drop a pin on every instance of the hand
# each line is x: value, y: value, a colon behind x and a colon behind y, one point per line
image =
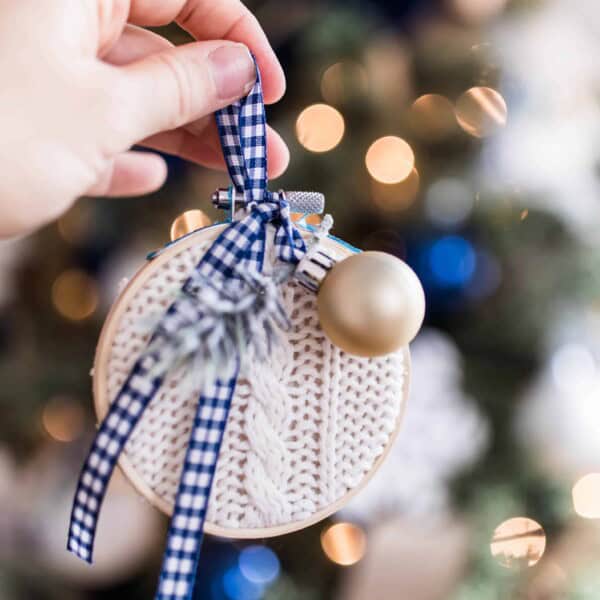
x: 81, y: 84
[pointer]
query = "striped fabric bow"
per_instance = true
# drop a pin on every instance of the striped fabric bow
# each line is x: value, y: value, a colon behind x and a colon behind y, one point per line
x: 232, y: 264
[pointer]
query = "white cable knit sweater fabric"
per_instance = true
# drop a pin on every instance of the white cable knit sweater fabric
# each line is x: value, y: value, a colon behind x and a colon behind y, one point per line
x: 305, y: 427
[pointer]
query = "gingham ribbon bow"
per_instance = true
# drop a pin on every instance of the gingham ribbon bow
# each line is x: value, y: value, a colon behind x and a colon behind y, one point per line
x: 240, y: 248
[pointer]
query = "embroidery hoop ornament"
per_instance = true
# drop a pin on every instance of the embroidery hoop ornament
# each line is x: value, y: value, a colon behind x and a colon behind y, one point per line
x: 136, y: 286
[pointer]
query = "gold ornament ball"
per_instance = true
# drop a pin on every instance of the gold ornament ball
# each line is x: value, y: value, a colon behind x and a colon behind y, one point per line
x: 371, y: 304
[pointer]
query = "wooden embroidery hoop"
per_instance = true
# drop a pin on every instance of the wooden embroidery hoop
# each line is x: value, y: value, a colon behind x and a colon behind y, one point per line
x: 102, y: 400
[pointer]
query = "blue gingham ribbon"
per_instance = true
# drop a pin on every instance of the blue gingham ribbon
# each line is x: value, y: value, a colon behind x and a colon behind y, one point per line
x: 240, y: 248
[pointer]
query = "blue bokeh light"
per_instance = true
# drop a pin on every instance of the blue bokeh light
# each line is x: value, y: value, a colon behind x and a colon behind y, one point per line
x: 238, y: 587
x: 452, y: 261
x: 259, y: 564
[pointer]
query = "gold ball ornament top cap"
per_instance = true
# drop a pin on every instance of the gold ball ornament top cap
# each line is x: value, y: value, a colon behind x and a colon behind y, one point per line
x: 371, y: 304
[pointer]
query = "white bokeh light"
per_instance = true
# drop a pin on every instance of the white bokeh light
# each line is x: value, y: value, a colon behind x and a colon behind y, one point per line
x: 574, y: 368
x: 559, y: 416
x: 449, y: 202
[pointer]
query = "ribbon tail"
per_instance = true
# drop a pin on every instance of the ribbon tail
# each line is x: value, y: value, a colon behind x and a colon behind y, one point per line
x: 289, y: 244
x: 180, y: 563
x: 123, y: 415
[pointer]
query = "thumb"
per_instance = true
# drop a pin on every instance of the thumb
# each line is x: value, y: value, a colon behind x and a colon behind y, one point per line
x: 177, y: 86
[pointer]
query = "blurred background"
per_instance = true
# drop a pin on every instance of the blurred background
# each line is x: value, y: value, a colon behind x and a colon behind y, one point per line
x: 460, y: 135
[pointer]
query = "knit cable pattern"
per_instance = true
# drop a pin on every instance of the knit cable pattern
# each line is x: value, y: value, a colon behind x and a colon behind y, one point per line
x: 305, y: 428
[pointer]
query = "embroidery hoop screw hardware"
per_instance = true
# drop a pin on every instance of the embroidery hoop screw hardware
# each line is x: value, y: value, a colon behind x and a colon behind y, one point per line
x: 300, y: 202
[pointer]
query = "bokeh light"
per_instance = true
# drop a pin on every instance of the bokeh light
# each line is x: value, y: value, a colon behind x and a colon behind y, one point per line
x: 75, y: 295
x: 393, y: 197
x: 63, y: 419
x: 474, y: 12
x: 259, y: 564
x: 389, y: 63
x: 320, y: 128
x: 452, y: 260
x: 344, y: 81
x: 189, y: 221
x: 481, y: 111
x: 432, y: 117
x: 76, y: 224
x: 573, y: 368
x: 390, y: 159
x: 237, y: 587
x: 586, y: 496
x: 449, y: 202
x: 518, y: 542
x: 344, y: 543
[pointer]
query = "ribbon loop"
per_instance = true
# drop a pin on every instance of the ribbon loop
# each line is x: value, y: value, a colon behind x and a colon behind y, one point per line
x: 242, y: 128
x: 225, y: 303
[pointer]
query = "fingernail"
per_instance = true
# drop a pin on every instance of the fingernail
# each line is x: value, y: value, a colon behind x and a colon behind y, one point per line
x: 233, y: 71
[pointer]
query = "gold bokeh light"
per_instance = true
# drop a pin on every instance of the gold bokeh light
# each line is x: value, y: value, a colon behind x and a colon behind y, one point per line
x: 390, y: 159
x: 586, y: 496
x: 481, y: 111
x: 75, y: 225
x: 344, y: 81
x: 75, y: 295
x: 432, y: 117
x: 63, y: 419
x: 320, y: 128
x: 344, y: 543
x: 189, y: 221
x: 396, y: 197
x: 518, y: 542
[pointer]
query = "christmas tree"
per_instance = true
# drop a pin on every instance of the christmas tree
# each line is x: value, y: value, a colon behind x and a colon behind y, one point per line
x: 459, y: 136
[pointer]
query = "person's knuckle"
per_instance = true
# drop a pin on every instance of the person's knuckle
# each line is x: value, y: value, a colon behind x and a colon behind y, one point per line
x: 177, y: 71
x: 188, y: 13
x: 245, y: 18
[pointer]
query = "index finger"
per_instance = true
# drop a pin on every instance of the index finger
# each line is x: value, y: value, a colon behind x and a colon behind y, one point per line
x: 215, y: 20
